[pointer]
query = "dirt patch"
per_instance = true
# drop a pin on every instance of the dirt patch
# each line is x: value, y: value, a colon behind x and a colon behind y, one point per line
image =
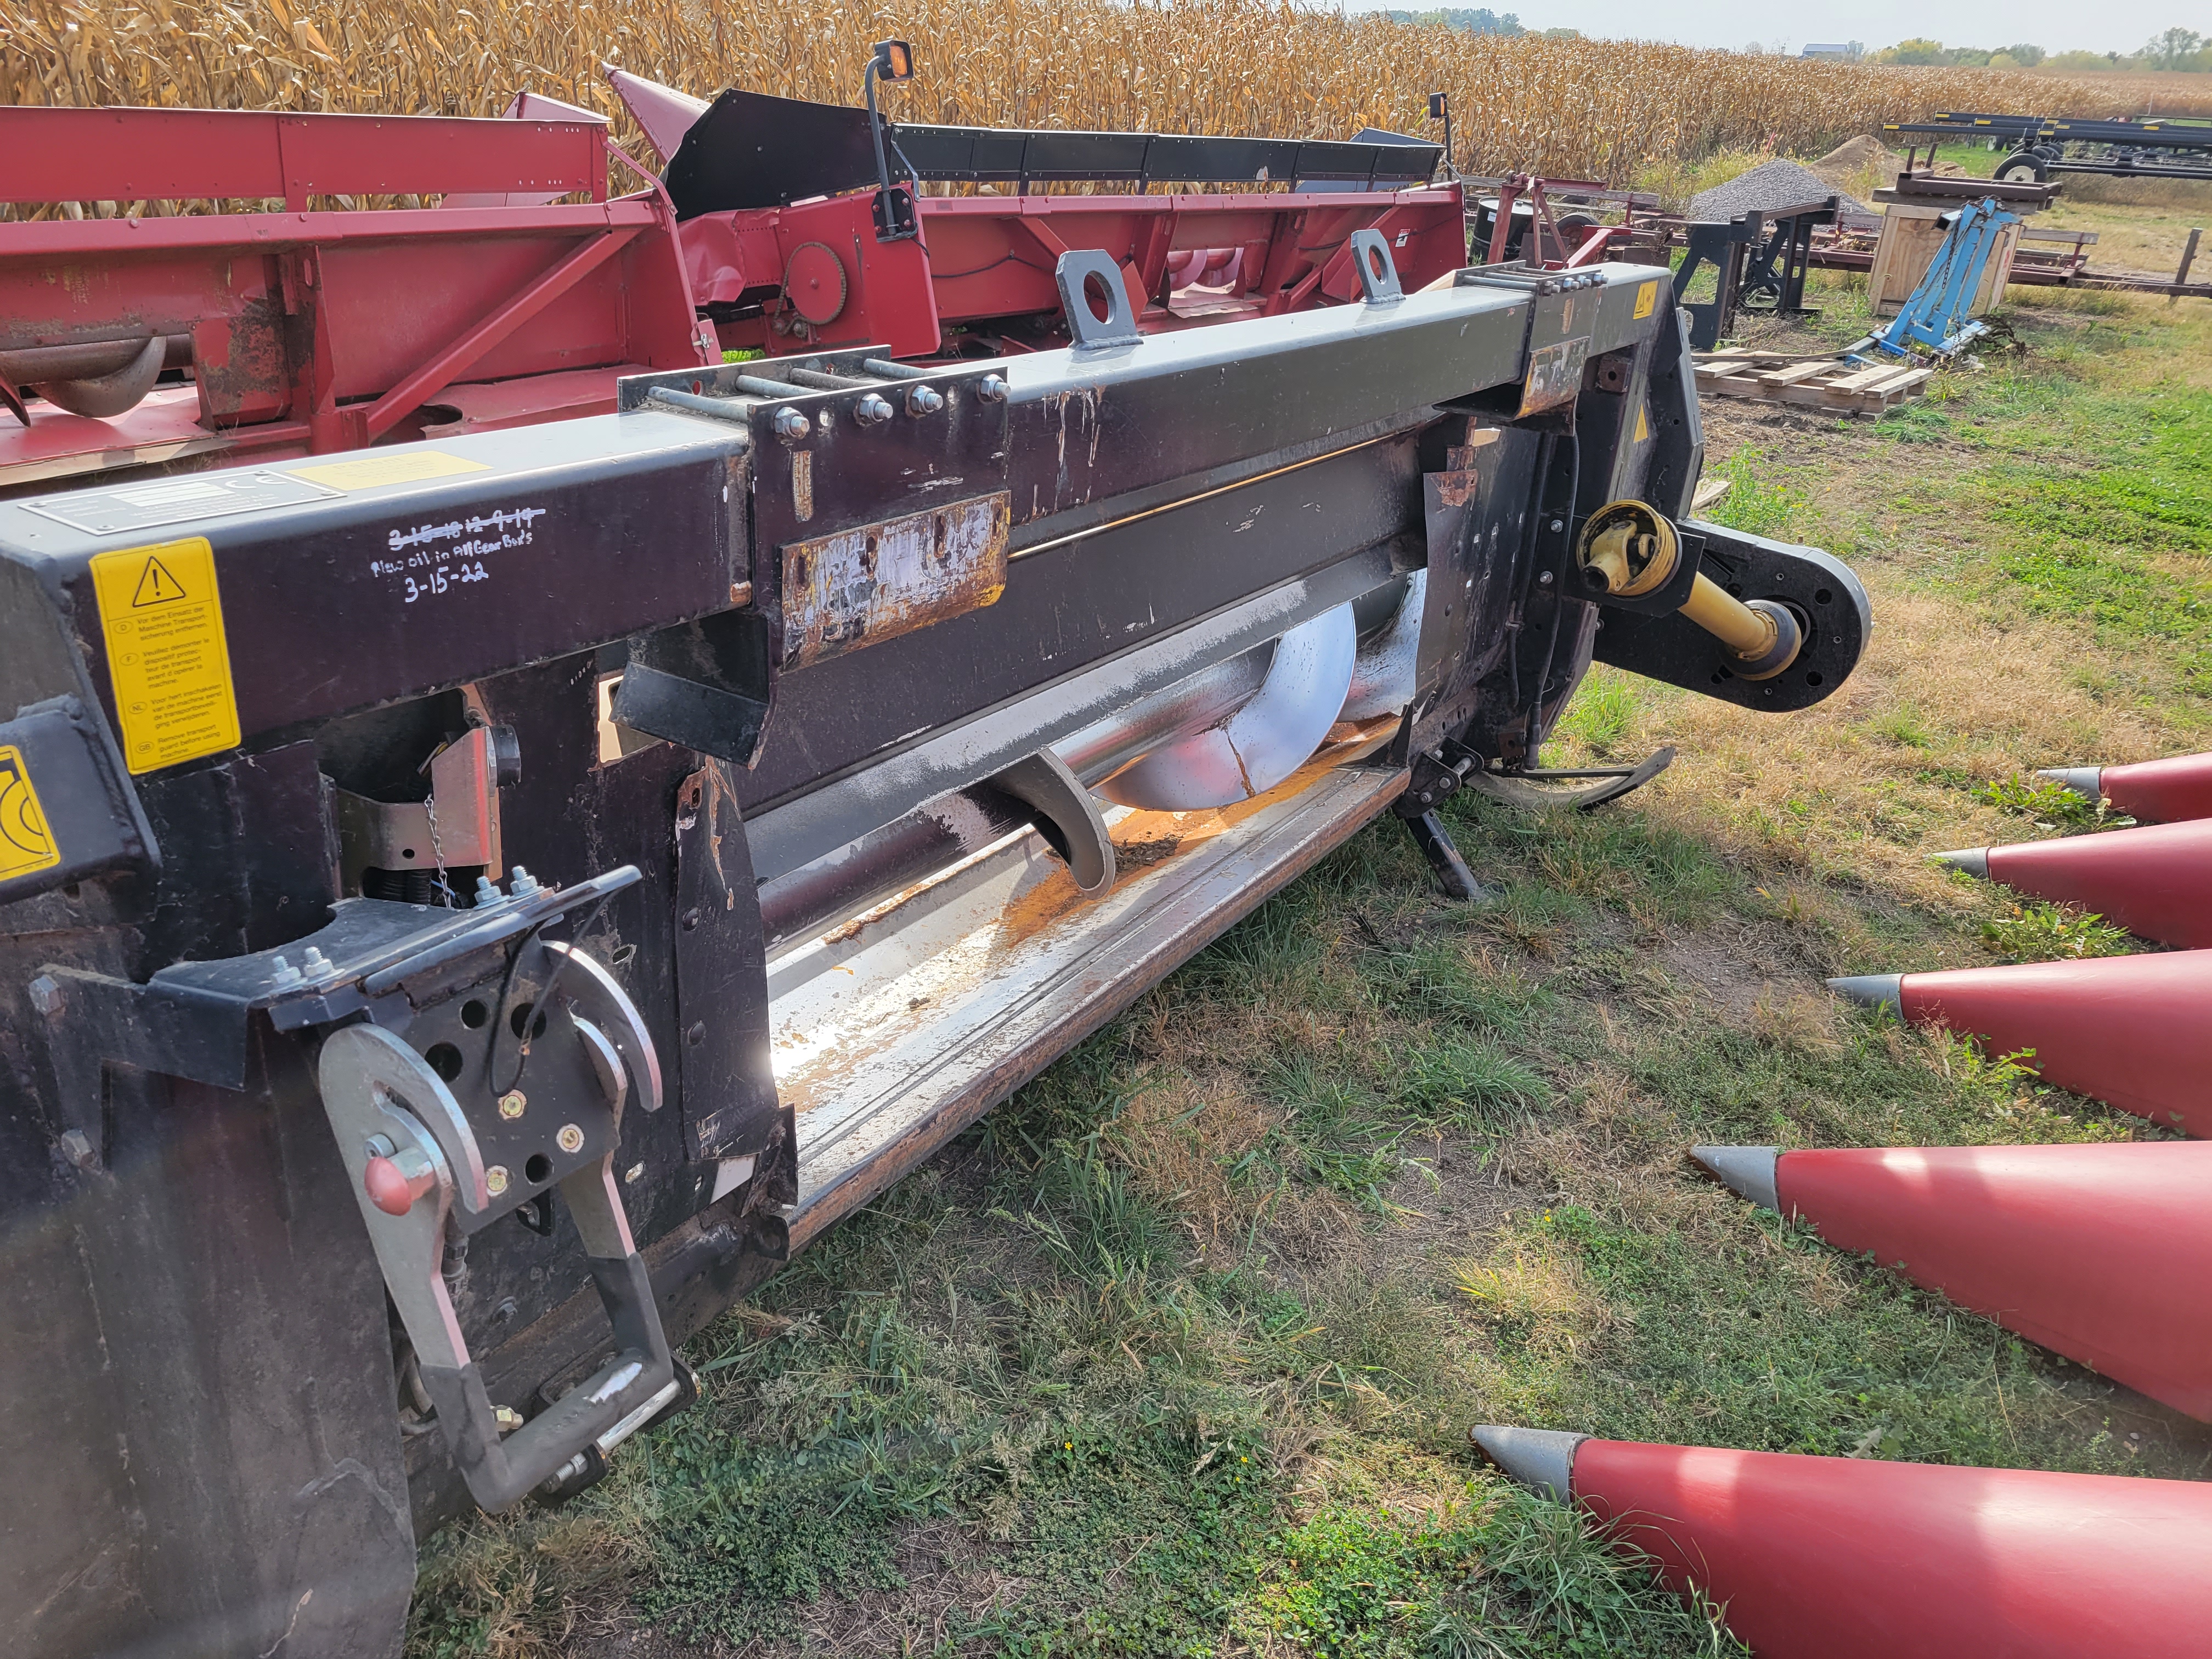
x: 1853, y: 154
x: 1455, y: 1194
x: 1714, y: 972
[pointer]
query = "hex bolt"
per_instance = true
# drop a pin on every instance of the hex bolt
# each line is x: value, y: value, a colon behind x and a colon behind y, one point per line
x: 315, y: 964
x: 570, y: 1138
x: 46, y: 995
x: 512, y: 1103
x: 522, y: 884
x: 791, y: 424
x: 872, y: 410
x: 1543, y: 579
x: 507, y: 1418
x: 76, y: 1147
x: 991, y: 389
x: 1558, y: 524
x: 924, y: 401
x: 284, y: 974
x: 488, y: 892
x: 495, y: 1179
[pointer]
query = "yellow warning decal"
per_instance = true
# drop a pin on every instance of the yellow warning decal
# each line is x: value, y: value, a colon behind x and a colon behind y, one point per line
x: 370, y: 471
x: 1643, y: 426
x: 27, y: 846
x: 1646, y: 298
x: 161, y: 615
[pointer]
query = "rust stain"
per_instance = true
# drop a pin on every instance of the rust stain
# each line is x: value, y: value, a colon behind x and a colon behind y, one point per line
x: 1454, y: 489
x: 1143, y: 841
x: 1555, y: 374
x: 802, y: 484
x: 874, y: 582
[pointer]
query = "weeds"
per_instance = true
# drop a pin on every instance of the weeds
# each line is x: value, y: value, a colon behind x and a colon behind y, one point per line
x: 1498, y: 1575
x: 1603, y: 712
x: 1467, y: 1083
x: 1758, y: 503
x: 2051, y: 804
x: 2053, y: 932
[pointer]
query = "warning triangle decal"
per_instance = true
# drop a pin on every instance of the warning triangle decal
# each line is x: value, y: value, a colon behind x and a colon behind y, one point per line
x: 156, y: 586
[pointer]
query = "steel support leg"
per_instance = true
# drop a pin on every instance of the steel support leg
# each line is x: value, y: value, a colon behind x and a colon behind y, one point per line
x: 1436, y: 844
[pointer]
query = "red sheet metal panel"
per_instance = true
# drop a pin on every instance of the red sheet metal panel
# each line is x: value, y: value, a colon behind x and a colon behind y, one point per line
x: 139, y: 155
x: 336, y: 327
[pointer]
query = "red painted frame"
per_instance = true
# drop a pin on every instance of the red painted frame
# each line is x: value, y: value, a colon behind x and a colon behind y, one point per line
x: 326, y: 327
x: 988, y: 260
x: 315, y: 329
x: 190, y: 154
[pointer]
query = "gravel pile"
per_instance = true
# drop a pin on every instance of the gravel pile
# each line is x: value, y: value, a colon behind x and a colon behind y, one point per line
x: 1769, y: 185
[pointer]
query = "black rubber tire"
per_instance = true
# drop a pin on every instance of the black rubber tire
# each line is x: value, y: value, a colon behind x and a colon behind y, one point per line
x: 2022, y: 166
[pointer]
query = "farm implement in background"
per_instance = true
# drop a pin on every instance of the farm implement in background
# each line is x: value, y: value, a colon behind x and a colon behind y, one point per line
x: 471, y: 907
x: 807, y: 226
x: 1895, y: 250
x: 1940, y: 317
x: 1561, y: 224
x: 2041, y: 148
x: 271, y: 285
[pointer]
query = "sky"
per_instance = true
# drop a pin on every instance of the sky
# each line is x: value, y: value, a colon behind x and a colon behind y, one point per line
x: 2054, y: 25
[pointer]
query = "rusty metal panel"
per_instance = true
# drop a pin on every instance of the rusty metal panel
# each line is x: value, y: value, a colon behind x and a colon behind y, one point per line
x: 1555, y: 374
x: 876, y: 581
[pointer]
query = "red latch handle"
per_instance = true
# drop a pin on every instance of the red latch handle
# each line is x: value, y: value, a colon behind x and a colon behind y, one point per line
x: 391, y: 1188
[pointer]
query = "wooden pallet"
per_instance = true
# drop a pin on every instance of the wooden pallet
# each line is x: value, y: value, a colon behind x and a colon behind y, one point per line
x: 1778, y: 377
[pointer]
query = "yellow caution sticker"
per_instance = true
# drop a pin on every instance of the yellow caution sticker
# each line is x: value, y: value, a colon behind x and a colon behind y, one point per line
x: 1643, y: 426
x: 367, y: 471
x: 161, y: 617
x: 27, y: 846
x: 1647, y: 297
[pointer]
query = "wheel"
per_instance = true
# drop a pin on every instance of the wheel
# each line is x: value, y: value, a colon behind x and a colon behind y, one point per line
x: 2020, y: 167
x: 1575, y: 229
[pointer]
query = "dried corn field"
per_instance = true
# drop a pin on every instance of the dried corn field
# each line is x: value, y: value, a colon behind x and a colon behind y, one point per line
x: 1592, y: 109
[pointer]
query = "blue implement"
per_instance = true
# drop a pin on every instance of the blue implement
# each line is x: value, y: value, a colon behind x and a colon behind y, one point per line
x: 1937, y: 317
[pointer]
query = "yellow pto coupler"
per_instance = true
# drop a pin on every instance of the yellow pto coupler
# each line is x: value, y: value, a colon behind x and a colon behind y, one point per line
x: 1628, y: 549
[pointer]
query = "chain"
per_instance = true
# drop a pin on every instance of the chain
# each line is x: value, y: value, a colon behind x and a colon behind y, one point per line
x: 437, y: 851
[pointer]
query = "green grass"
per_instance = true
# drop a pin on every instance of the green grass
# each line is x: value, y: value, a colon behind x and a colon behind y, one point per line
x: 2045, y: 802
x: 1175, y: 1354
x: 1603, y: 712
x: 2088, y: 500
x: 2052, y: 932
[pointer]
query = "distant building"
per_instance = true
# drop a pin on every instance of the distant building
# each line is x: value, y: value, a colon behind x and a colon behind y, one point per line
x: 1841, y: 54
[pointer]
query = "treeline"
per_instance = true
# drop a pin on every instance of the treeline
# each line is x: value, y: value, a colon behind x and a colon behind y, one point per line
x: 1480, y: 21
x: 2169, y: 49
